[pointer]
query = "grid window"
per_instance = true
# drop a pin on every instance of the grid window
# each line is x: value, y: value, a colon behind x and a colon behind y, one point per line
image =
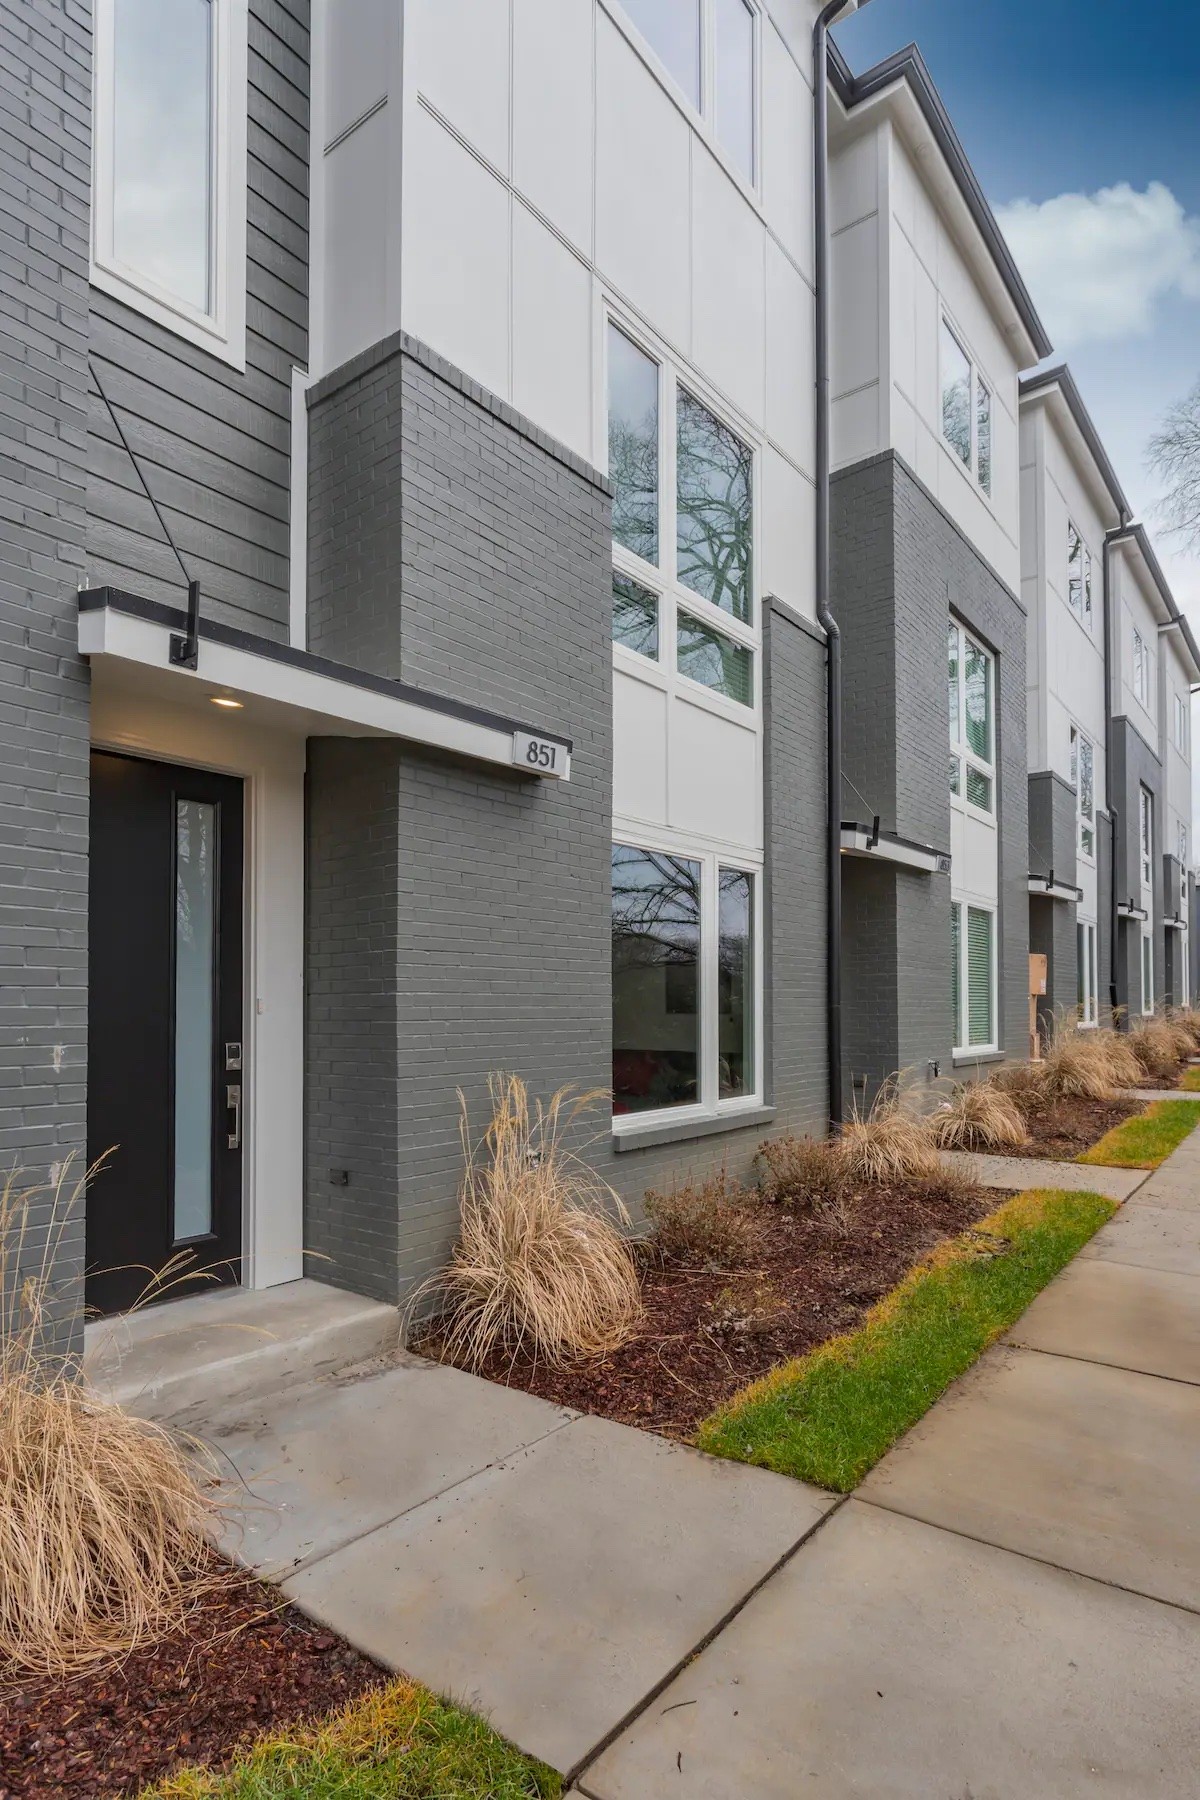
x: 1083, y: 780
x: 971, y: 685
x: 1079, y: 576
x: 683, y: 527
x: 685, y: 981
x: 967, y: 409
x: 708, y: 48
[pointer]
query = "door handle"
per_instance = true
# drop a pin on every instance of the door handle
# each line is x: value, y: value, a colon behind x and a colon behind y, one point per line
x: 233, y: 1100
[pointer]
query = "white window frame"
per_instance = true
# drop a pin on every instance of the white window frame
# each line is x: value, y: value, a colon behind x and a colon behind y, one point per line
x: 977, y: 378
x: 712, y: 861
x: 704, y: 116
x: 1181, y: 724
x: 960, y: 751
x: 1182, y: 847
x: 1146, y: 839
x: 661, y: 579
x: 964, y: 1052
x: 1078, y: 738
x: 1146, y: 971
x: 222, y: 331
x: 1089, y: 1015
x: 1141, y: 669
x: 1083, y: 612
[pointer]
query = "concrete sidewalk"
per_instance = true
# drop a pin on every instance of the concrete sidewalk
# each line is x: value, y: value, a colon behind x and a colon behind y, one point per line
x: 1009, y: 1607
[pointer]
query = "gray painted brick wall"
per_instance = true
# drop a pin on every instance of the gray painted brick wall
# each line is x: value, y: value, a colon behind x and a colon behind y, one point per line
x: 456, y: 547
x: 1053, y: 843
x: 45, y: 158
x: 1134, y: 766
x: 900, y: 566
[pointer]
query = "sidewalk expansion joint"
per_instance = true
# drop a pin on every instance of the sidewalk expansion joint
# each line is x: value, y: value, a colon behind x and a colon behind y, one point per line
x: 1045, y: 1562
x: 1099, y: 1362
x: 573, y: 1777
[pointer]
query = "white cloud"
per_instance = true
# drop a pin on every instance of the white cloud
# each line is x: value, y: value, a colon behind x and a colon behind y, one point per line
x: 1098, y: 264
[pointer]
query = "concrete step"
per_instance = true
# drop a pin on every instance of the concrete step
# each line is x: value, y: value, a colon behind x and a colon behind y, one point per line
x: 198, y: 1355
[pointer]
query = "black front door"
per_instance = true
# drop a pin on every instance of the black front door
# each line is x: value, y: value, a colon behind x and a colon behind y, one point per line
x: 164, y: 1030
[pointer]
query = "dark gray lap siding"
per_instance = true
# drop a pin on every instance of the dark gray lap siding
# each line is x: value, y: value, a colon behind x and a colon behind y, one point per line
x: 1134, y: 766
x: 214, y: 442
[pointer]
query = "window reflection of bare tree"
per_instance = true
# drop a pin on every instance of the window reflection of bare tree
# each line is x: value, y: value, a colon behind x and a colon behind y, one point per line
x: 656, y: 908
x: 633, y: 469
x: 713, y: 520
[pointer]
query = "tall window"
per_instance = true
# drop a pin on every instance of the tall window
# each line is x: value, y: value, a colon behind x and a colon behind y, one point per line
x: 1146, y: 837
x: 966, y: 409
x: 683, y: 550
x: 1141, y: 669
x: 708, y: 49
x: 1085, y: 941
x: 168, y: 217
x: 685, y: 981
x: 1083, y: 762
x: 1079, y: 576
x: 972, y: 726
x: 973, y: 976
x: 1147, y: 970
x: 1181, y: 724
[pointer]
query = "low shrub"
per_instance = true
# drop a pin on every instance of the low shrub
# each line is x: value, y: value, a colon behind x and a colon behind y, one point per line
x: 103, y: 1519
x: 887, y: 1144
x: 950, y: 1186
x: 1159, y: 1048
x: 707, y: 1222
x: 540, y: 1264
x: 979, y: 1115
x: 804, y: 1174
x: 1023, y: 1084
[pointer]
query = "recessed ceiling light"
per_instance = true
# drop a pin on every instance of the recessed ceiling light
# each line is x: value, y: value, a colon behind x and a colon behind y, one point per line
x: 226, y: 700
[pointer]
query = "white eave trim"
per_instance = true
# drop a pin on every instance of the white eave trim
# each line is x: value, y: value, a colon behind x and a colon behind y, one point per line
x: 1125, y: 911
x: 1053, y: 890
x: 857, y: 840
x: 1175, y: 924
x: 301, y: 692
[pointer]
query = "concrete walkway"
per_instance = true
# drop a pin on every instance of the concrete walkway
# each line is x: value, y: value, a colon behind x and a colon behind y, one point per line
x: 1016, y: 1173
x: 1009, y: 1607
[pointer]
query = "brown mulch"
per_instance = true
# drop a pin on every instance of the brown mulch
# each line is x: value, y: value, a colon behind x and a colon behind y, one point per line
x: 709, y: 1331
x: 1059, y: 1132
x: 245, y: 1664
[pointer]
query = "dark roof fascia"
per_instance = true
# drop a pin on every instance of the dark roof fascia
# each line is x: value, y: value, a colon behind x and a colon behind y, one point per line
x: 1059, y: 375
x: 1149, y: 555
x: 909, y: 65
x: 157, y: 612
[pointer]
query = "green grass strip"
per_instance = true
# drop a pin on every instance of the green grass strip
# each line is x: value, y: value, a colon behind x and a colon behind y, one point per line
x: 1148, y: 1138
x: 397, y: 1743
x: 1191, y: 1081
x: 829, y: 1416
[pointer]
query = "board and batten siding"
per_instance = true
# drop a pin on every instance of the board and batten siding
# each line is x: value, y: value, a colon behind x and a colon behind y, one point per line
x: 212, y: 442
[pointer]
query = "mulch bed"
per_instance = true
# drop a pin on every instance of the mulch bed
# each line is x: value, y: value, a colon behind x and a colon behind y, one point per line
x: 710, y: 1331
x: 1060, y: 1132
x: 244, y: 1665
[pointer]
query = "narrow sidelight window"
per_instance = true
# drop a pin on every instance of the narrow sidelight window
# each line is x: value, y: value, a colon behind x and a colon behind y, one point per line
x: 195, y: 984
x: 956, y: 396
x: 656, y: 980
x: 733, y: 82
x: 979, y: 977
x: 983, y: 434
x: 735, y: 984
x: 633, y: 389
x: 972, y: 727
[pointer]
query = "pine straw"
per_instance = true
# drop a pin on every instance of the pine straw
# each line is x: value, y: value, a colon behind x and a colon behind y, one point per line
x: 887, y: 1144
x: 978, y: 1116
x: 541, y: 1265
x: 103, y: 1523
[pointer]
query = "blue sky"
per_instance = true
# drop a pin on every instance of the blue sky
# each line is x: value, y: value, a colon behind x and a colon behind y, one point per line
x: 1082, y: 120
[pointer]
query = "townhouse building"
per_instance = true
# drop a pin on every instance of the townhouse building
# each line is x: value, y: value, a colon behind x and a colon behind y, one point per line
x: 411, y: 655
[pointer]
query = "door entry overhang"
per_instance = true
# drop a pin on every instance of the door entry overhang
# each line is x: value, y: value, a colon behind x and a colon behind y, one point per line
x: 311, y: 696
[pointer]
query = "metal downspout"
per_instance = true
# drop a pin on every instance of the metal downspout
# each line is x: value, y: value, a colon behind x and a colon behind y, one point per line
x: 1124, y: 530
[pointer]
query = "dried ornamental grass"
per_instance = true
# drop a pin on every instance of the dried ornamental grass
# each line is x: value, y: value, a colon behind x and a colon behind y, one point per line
x: 886, y: 1144
x: 1076, y: 1065
x: 978, y: 1116
x: 540, y: 1265
x: 1188, y: 1020
x: 103, y: 1524
x: 1156, y: 1044
x: 1123, y: 1067
x: 1023, y: 1084
x: 704, y: 1222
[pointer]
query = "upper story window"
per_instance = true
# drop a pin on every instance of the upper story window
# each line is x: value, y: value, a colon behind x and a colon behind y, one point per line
x: 1141, y: 668
x: 1181, y: 724
x: 966, y: 409
x: 1083, y: 765
x: 169, y: 203
x: 972, y: 725
x: 1079, y: 576
x: 708, y: 49
x: 683, y: 526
